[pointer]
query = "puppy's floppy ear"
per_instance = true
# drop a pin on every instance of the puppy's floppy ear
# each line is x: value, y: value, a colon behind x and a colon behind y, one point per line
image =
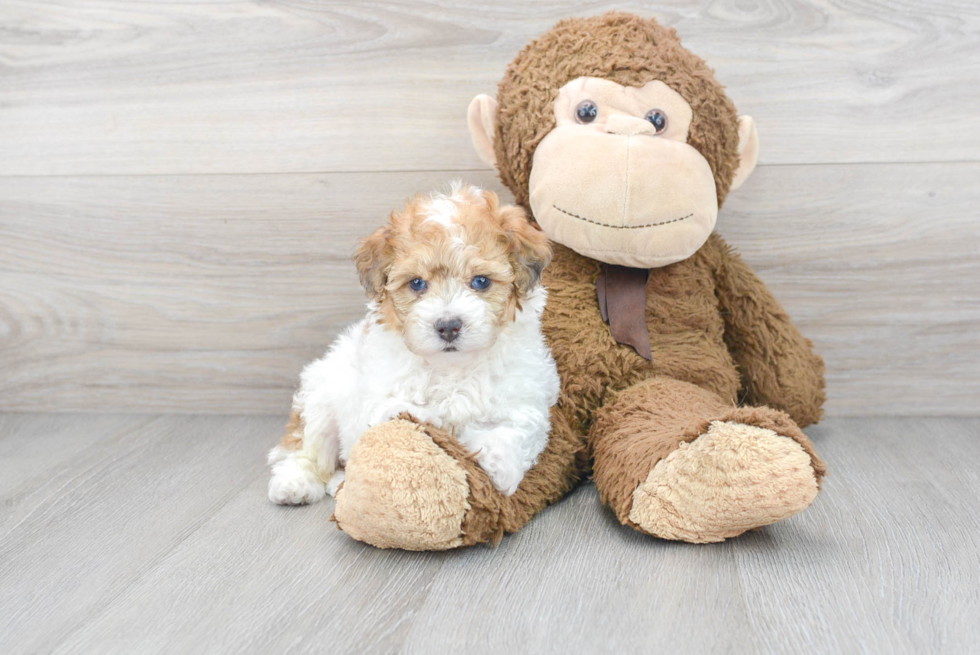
x: 530, y: 250
x: 374, y: 257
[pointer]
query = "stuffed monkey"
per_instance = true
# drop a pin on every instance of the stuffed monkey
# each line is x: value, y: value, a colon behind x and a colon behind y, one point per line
x: 684, y: 382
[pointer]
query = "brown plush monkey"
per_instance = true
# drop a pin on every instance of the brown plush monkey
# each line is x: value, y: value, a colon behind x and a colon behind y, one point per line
x: 623, y: 146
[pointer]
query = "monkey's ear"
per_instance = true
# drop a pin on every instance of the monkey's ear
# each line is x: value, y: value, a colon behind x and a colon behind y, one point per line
x: 482, y: 119
x: 748, y: 150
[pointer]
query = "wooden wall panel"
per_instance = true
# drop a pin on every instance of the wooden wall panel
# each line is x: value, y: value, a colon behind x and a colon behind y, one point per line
x: 157, y: 87
x: 181, y: 184
x: 207, y: 293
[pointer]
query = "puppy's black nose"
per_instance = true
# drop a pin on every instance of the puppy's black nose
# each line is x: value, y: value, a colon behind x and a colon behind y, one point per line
x: 448, y: 328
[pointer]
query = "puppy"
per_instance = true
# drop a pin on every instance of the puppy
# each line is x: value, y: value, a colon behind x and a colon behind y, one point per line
x: 452, y: 337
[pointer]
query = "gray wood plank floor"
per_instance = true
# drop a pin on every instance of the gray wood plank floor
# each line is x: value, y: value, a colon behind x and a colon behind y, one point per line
x: 152, y: 534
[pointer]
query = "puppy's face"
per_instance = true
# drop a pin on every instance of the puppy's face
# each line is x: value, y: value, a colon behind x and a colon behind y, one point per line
x: 449, y: 272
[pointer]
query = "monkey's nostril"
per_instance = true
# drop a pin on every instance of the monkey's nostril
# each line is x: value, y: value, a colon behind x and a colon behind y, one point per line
x: 448, y: 329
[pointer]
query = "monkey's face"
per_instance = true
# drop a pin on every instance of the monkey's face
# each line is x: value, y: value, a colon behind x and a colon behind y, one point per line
x: 616, y: 180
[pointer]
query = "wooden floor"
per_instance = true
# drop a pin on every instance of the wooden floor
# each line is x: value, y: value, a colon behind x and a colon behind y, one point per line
x: 141, y: 534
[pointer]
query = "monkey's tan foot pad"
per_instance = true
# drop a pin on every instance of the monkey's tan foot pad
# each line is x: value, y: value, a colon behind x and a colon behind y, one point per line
x: 734, y: 478
x: 402, y: 491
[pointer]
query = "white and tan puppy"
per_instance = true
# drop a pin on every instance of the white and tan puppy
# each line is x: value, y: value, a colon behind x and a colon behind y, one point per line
x: 452, y: 337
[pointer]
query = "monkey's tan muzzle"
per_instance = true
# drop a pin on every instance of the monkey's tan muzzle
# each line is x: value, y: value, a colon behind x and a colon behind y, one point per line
x: 623, y: 196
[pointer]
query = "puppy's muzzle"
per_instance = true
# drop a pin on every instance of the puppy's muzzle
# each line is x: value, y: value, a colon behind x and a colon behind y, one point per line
x: 448, y: 329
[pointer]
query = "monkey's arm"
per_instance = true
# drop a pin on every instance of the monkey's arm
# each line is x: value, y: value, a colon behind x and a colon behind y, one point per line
x: 777, y: 364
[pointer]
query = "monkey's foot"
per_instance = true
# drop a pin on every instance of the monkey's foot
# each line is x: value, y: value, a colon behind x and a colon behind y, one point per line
x: 733, y: 478
x: 402, y: 491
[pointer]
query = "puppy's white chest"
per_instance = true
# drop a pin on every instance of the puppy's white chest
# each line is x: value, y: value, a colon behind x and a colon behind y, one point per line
x: 456, y: 399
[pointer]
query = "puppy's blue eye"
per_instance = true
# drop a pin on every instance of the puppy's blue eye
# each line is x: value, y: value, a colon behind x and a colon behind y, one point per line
x: 480, y: 282
x: 418, y: 284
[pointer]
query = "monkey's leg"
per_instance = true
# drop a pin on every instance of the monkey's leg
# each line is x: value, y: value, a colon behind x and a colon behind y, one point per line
x: 677, y: 462
x: 415, y: 487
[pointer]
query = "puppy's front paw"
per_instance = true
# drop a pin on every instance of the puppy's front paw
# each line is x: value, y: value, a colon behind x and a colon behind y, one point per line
x: 505, y: 475
x: 420, y: 416
x: 294, y: 482
x: 401, y: 409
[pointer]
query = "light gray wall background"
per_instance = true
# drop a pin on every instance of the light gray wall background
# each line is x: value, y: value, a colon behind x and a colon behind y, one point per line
x: 181, y: 184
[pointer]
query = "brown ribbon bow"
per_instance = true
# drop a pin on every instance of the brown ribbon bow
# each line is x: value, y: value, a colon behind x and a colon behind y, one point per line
x: 622, y: 295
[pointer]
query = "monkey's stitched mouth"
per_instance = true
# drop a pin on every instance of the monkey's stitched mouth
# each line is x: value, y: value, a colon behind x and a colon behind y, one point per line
x: 623, y: 227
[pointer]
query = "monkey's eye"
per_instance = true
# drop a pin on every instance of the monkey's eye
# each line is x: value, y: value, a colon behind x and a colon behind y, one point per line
x: 480, y: 282
x: 417, y: 285
x: 658, y: 119
x: 586, y: 111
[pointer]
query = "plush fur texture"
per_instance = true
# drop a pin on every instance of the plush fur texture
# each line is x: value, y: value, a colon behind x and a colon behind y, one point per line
x: 404, y: 520
x: 491, y: 382
x: 734, y: 478
x: 717, y: 335
x: 616, y: 189
x: 397, y: 469
x: 625, y: 49
x: 636, y: 429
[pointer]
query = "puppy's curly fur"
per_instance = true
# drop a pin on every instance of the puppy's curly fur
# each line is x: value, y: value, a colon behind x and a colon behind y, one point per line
x: 452, y: 337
